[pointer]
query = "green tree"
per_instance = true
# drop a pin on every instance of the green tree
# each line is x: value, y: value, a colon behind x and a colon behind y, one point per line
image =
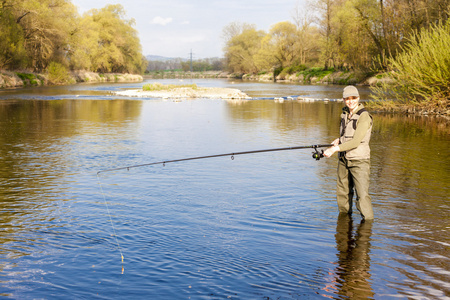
x: 326, y: 9
x: 241, y: 49
x: 264, y: 57
x: 202, y: 65
x: 42, y: 28
x: 307, y: 44
x: 285, y: 39
x: 117, y: 46
x: 353, y: 36
x: 279, y: 48
x: 84, y: 44
x: 35, y: 33
x: 12, y: 49
x: 47, y: 25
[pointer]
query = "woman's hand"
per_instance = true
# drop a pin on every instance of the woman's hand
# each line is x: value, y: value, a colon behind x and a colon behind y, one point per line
x: 330, y: 151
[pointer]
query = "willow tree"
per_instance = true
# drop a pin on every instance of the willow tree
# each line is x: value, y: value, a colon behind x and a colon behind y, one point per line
x: 43, y: 27
x: 12, y: 49
x: 241, y: 49
x: 234, y: 29
x: 84, y: 44
x: 284, y: 38
x: 264, y: 58
x: 110, y: 42
x: 279, y: 48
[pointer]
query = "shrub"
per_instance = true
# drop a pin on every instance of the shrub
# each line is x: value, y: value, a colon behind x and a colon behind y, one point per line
x: 277, y: 71
x: 316, y: 72
x: 421, y: 73
x: 28, y: 78
x: 57, y: 73
x: 296, y: 69
x: 283, y: 74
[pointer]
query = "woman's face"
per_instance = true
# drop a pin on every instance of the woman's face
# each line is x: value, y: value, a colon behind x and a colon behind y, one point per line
x: 351, y: 102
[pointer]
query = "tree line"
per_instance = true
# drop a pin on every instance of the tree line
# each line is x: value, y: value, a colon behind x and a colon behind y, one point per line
x: 36, y: 34
x: 178, y: 64
x: 359, y: 35
x: 406, y: 39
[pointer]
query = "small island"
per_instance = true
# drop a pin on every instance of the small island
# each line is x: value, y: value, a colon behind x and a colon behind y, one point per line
x: 171, y: 91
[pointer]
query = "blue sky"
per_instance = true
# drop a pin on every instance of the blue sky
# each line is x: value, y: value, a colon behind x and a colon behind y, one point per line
x: 173, y: 27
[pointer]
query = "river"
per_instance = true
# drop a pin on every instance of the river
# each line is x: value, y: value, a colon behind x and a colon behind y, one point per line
x: 258, y: 226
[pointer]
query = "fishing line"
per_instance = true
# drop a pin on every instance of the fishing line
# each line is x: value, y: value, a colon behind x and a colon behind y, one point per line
x: 316, y: 155
x: 110, y: 219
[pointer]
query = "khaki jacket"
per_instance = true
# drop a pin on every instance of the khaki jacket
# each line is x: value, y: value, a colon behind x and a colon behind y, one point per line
x: 347, y: 131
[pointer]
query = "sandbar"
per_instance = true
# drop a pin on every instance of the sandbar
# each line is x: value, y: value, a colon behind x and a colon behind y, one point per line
x: 186, y: 92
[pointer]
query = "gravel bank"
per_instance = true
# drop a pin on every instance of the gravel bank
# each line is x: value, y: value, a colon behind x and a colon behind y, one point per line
x: 187, y: 92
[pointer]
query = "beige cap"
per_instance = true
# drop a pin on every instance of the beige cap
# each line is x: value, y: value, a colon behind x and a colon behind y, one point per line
x: 350, y: 91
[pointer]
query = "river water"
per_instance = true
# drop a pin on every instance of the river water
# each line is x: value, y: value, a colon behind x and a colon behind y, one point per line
x: 259, y: 226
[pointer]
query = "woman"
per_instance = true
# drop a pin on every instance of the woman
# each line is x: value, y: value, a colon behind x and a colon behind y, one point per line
x: 354, y: 156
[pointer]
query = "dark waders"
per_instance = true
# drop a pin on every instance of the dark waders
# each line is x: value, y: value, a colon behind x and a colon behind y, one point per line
x: 354, y: 174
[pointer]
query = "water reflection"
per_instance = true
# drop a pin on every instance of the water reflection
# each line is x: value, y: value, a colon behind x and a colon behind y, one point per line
x: 351, y: 278
x: 55, y: 228
x: 315, y: 118
x: 43, y: 145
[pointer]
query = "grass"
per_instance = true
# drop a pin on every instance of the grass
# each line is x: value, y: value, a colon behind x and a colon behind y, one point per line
x: 316, y: 72
x: 28, y: 78
x: 166, y: 87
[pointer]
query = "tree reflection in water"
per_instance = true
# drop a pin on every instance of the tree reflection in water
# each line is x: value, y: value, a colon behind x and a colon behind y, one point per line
x: 351, y: 277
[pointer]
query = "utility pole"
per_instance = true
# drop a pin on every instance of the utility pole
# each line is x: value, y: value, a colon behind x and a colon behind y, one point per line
x: 191, y: 69
x: 191, y: 60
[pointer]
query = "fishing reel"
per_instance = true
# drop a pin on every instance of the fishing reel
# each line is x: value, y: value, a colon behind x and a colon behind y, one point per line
x: 317, y: 155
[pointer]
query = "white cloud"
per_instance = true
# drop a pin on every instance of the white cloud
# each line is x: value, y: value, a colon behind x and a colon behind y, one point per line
x: 161, y: 21
x: 195, y: 24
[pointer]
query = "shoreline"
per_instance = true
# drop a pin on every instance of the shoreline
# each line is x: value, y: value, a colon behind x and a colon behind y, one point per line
x: 21, y: 79
x: 336, y: 77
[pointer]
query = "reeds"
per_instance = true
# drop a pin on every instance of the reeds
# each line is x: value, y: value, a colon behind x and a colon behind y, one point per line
x: 166, y: 87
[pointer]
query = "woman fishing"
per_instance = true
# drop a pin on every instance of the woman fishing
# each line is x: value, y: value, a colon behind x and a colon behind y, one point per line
x: 354, y: 156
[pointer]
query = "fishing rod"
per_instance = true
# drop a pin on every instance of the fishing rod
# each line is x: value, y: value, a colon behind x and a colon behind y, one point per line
x: 317, y: 155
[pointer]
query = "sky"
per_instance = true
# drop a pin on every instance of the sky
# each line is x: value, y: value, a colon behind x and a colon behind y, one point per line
x: 175, y: 28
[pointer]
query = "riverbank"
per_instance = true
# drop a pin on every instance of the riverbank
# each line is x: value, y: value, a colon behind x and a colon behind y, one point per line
x: 309, y: 76
x: 177, y: 74
x: 390, y: 107
x: 9, y: 79
x: 319, y: 76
